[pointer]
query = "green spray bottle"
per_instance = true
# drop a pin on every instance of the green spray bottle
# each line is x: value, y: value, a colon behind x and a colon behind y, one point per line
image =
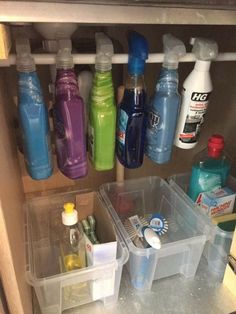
x: 102, y: 109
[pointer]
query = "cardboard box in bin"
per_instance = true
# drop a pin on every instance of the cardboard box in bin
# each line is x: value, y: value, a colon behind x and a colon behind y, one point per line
x: 104, y: 252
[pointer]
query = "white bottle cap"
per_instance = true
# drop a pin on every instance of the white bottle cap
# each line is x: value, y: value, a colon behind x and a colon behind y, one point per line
x: 104, y: 52
x: 64, y: 59
x: 152, y: 238
x: 24, y: 60
x: 69, y: 215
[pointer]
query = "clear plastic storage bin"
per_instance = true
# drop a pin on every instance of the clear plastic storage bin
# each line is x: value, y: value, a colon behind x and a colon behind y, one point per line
x: 58, y: 291
x: 182, y: 245
x: 218, y: 241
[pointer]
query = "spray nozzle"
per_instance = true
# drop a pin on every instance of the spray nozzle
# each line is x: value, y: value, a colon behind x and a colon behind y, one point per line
x: 24, y: 60
x: 138, y: 53
x: 64, y: 59
x: 204, y: 49
x: 104, y: 52
x: 174, y: 49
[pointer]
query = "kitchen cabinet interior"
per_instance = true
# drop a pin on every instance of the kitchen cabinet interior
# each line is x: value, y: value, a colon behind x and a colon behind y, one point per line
x: 115, y: 20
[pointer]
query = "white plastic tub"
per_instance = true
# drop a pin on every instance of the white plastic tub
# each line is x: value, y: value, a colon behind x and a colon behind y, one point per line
x: 182, y: 245
x: 218, y: 241
x: 58, y: 291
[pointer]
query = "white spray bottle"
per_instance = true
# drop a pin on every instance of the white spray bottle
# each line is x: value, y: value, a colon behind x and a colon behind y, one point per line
x: 197, y: 88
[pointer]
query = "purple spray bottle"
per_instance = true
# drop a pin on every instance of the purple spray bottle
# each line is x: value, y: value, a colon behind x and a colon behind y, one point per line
x: 69, y: 117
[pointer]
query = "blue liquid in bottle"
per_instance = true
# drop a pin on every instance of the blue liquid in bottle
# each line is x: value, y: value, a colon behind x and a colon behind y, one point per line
x: 131, y: 128
x: 33, y: 115
x: 131, y: 124
x: 162, y: 117
x: 34, y: 123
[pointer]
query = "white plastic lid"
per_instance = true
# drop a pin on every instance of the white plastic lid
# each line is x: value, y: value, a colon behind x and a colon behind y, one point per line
x: 104, y: 52
x: 174, y: 49
x: 204, y: 49
x: 24, y: 60
x: 69, y: 215
x: 55, y: 30
x: 64, y: 59
x: 152, y: 238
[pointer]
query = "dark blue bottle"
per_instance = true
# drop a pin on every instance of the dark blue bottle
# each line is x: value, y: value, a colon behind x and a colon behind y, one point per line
x: 131, y: 124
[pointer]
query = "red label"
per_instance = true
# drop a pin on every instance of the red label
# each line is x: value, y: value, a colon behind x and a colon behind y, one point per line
x: 89, y: 247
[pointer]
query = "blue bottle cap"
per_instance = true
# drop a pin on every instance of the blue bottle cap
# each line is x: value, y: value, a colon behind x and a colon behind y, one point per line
x: 138, y: 53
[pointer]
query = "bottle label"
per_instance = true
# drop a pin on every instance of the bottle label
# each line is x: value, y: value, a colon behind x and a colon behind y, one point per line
x: 58, y: 124
x: 137, y: 225
x: 153, y: 120
x: 91, y: 141
x: 195, y: 117
x: 122, y: 125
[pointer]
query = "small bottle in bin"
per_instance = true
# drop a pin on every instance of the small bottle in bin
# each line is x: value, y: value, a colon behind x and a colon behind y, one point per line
x: 72, y: 244
x: 211, y: 168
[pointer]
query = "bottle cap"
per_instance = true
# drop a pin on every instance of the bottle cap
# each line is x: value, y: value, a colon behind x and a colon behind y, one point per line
x: 138, y: 53
x: 174, y: 49
x: 24, y: 60
x: 64, y: 59
x: 204, y: 49
x: 215, y: 145
x: 69, y: 215
x: 104, y: 52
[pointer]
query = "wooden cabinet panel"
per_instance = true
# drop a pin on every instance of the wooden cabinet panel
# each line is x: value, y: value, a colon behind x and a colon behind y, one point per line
x: 12, y: 251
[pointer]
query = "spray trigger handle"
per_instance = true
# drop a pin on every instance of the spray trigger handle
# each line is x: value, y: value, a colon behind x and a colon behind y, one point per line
x: 174, y: 49
x: 204, y: 49
x: 104, y: 52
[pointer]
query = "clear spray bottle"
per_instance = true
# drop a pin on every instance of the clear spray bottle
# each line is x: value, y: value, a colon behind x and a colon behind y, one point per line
x: 163, y: 110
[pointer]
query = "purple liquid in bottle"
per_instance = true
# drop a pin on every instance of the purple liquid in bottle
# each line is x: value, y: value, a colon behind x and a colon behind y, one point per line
x: 69, y: 126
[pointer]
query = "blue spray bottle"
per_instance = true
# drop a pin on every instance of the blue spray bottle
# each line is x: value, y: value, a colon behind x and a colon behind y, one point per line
x: 131, y: 117
x: 33, y: 115
x: 163, y: 112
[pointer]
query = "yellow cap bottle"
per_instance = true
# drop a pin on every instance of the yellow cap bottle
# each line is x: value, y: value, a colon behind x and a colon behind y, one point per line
x: 69, y: 215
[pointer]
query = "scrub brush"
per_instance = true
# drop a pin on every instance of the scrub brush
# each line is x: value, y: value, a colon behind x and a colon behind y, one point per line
x: 158, y: 223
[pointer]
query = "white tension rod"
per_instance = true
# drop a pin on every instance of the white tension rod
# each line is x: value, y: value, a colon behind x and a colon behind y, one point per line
x: 116, y: 59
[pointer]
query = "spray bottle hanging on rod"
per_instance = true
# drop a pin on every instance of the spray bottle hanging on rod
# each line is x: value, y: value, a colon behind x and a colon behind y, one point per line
x: 195, y: 95
x: 131, y: 117
x: 69, y: 117
x: 102, y: 111
x: 33, y: 115
x: 162, y: 115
